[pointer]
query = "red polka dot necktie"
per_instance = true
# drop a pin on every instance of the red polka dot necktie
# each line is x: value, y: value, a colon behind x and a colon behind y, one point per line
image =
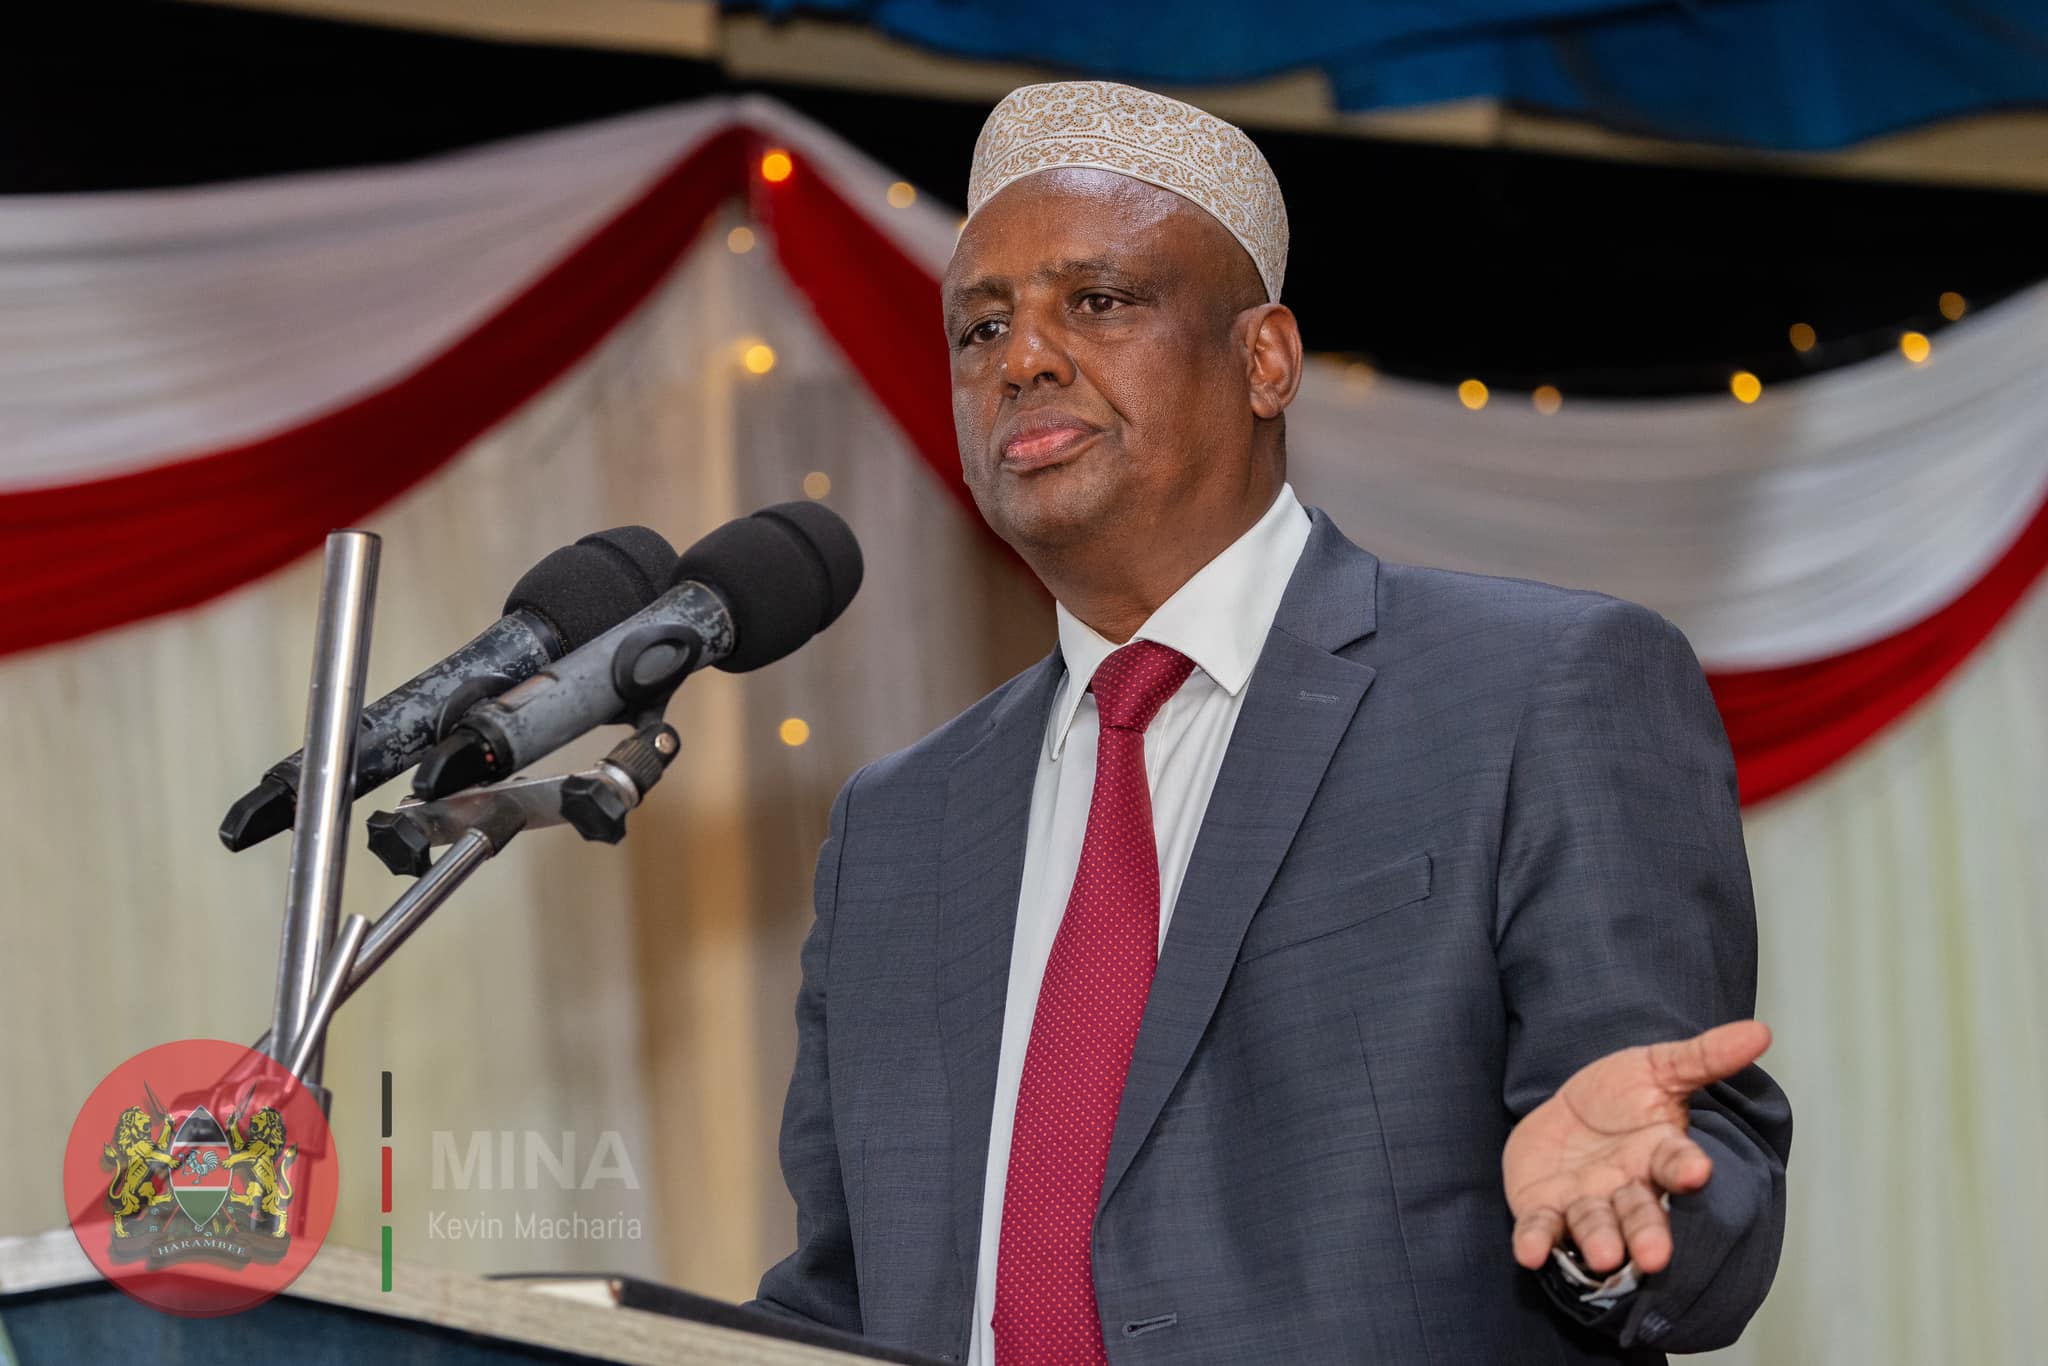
x: 1089, y: 1007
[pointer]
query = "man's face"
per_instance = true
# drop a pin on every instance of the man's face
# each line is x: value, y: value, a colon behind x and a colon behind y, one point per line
x: 1100, y: 387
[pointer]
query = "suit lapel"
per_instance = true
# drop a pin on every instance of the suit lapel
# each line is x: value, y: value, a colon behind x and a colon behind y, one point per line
x: 981, y: 872
x: 1298, y: 705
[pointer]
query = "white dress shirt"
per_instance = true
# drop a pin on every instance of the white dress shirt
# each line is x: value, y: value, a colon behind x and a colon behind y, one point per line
x: 1219, y: 619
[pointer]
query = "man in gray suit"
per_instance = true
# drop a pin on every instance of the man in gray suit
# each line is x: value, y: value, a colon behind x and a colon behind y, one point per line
x: 1313, y: 959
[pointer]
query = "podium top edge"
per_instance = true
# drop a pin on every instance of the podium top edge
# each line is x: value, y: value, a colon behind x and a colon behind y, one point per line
x: 351, y: 1279
x: 51, y: 1260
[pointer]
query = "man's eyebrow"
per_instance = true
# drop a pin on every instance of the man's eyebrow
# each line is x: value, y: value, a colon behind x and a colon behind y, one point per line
x: 1088, y: 265
x: 974, y: 291
x: 1108, y: 270
x: 1074, y: 267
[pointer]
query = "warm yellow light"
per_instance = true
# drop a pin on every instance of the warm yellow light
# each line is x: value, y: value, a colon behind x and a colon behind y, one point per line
x: 1745, y: 386
x: 1472, y: 394
x: 740, y: 241
x: 817, y: 484
x: 1953, y: 306
x: 1803, y: 337
x: 776, y: 166
x: 794, y: 731
x: 1547, y: 399
x: 1915, y: 347
x: 902, y: 195
x: 758, y: 358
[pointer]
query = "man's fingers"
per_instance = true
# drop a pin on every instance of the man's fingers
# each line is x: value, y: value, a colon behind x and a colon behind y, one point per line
x: 1597, y: 1231
x: 1535, y: 1234
x: 1646, y: 1227
x: 1680, y: 1165
x: 1685, y: 1065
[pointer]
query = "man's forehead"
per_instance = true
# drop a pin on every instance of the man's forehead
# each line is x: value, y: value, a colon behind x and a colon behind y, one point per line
x: 1064, y: 223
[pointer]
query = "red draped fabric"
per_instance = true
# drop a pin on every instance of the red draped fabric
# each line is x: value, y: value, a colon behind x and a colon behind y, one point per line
x: 1786, y: 725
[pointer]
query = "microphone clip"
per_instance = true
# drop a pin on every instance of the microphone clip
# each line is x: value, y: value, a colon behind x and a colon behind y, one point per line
x: 594, y: 802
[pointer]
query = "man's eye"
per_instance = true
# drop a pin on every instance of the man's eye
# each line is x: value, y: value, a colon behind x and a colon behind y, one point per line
x: 987, y: 330
x: 1099, y: 303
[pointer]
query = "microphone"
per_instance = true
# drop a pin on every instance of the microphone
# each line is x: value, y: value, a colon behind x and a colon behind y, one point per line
x: 573, y: 595
x: 746, y: 595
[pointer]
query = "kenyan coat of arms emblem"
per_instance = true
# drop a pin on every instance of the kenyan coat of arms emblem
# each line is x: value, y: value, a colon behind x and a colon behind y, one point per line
x: 212, y: 1201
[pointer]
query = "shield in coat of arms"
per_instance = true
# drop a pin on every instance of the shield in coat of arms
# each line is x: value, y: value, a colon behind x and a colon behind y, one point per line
x: 201, y: 1178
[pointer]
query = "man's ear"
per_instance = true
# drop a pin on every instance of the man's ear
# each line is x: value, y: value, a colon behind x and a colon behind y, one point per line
x: 1272, y: 357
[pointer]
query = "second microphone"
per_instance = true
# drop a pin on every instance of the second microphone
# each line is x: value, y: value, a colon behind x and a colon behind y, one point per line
x: 746, y: 595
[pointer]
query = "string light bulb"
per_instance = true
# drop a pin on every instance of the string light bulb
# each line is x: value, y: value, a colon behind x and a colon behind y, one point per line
x: 740, y: 241
x: 1915, y: 347
x: 1472, y: 394
x: 817, y: 484
x: 1746, y: 387
x: 776, y: 166
x: 759, y: 358
x: 1547, y: 399
x: 794, y: 731
x: 902, y: 195
x: 1803, y: 337
x: 1953, y: 306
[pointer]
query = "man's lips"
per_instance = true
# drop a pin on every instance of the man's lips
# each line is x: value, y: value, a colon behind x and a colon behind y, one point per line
x: 1044, y: 445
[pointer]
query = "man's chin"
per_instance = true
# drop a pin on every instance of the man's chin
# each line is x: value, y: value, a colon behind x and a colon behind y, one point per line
x: 1049, y: 510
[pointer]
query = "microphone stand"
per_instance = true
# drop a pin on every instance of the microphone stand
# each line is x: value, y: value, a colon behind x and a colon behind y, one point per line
x: 334, y: 703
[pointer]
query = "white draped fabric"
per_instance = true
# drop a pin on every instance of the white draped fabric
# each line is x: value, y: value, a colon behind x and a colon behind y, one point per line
x: 137, y: 327
x: 140, y: 326
x: 1828, y: 514
x: 645, y: 990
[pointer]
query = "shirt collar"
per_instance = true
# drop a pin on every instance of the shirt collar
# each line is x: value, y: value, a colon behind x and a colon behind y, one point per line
x: 1219, y: 618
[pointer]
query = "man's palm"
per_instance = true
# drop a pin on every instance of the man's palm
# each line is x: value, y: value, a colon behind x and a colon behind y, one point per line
x: 1596, y: 1158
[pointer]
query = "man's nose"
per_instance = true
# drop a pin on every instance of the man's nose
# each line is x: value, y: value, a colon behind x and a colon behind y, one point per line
x: 1034, y: 352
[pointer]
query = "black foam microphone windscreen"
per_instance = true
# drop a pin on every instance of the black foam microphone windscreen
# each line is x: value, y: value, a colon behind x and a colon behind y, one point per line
x: 785, y: 573
x: 583, y: 590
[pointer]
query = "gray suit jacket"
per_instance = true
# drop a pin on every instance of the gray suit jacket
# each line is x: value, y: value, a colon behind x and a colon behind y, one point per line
x: 1469, y: 835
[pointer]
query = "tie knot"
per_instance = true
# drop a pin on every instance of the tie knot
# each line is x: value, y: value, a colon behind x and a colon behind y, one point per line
x: 1133, y: 684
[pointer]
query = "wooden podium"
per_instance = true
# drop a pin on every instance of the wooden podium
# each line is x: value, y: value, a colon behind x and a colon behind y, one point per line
x: 55, y: 1310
